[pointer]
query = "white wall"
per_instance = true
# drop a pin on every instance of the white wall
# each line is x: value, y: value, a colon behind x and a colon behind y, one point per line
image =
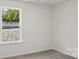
x: 45, y: 27
x: 36, y: 29
x: 64, y: 27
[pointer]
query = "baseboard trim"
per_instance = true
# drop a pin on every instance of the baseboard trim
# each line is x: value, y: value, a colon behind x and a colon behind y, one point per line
x: 40, y: 51
x: 63, y: 53
x: 24, y: 53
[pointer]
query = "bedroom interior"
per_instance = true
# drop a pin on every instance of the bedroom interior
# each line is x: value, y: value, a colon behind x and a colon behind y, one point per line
x: 46, y: 29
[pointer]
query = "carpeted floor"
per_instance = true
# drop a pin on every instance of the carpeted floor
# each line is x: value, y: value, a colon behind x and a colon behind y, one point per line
x: 43, y: 55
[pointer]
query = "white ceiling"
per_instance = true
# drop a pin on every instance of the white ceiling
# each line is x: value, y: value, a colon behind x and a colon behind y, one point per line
x: 49, y: 2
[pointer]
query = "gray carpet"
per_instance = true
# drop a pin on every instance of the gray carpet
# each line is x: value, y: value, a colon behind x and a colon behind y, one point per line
x: 44, y: 55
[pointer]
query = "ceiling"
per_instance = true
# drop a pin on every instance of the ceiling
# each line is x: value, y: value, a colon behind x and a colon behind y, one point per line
x: 49, y: 2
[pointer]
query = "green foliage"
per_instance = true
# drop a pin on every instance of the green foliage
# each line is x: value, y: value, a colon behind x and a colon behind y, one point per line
x: 11, y: 16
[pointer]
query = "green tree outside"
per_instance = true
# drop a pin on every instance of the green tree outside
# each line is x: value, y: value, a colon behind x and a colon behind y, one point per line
x: 11, y: 16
